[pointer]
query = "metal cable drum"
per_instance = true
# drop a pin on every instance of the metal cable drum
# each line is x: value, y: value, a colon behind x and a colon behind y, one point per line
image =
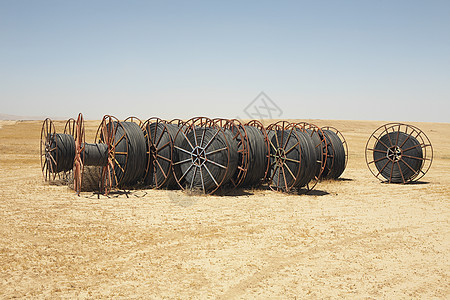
x: 401, y: 153
x: 319, y: 142
x: 285, y: 159
x: 57, y: 151
x: 336, y: 161
x: 205, y: 160
x: 285, y: 156
x: 126, y: 153
x: 160, y: 137
x: 394, y: 163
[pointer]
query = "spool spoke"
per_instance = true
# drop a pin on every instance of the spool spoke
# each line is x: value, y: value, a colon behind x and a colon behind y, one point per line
x: 210, y: 141
x: 202, y: 140
x: 161, y: 135
x: 193, y: 177
x: 290, y: 171
x: 210, y: 175
x: 159, y: 165
x: 382, y: 169
x: 377, y: 160
x: 118, y: 164
x: 202, y: 180
x: 284, y: 177
x: 217, y: 150
x: 188, y: 169
x: 186, y: 138
x: 183, y: 150
x: 164, y: 158
x: 292, y: 160
x: 182, y: 161
x: 292, y: 148
x: 401, y: 171
x: 215, y: 163
x: 414, y: 157
x: 164, y: 146
x: 121, y: 138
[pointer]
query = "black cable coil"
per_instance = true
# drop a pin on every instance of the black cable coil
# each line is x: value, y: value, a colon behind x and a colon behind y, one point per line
x: 63, y: 151
x: 95, y: 154
x: 257, y: 159
x: 129, y: 167
x: 335, y: 164
x: 309, y: 164
x: 398, y: 156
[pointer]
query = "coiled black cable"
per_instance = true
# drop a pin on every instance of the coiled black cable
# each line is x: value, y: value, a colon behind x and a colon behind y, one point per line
x: 398, y: 156
x: 335, y: 164
x: 233, y: 152
x: 63, y: 151
x: 314, y: 134
x: 257, y: 159
x: 130, y: 153
x: 95, y: 154
x: 308, y: 165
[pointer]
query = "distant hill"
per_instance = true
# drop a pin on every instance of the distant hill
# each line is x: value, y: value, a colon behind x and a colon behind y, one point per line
x: 18, y: 118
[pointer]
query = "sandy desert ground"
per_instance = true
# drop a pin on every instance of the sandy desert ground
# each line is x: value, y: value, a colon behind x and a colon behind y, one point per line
x: 352, y: 238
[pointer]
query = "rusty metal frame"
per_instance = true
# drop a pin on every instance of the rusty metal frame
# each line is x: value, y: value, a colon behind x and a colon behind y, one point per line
x: 411, y: 131
x: 153, y: 151
x: 343, y: 140
x: 106, y: 134
x: 48, y: 154
x: 240, y: 136
x: 198, y: 152
x: 303, y: 126
x: 78, y: 164
x: 278, y: 157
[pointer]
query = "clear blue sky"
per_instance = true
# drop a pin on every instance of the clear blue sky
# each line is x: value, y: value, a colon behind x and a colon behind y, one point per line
x: 373, y: 60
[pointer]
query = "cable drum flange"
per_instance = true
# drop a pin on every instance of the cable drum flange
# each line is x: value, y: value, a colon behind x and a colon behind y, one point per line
x: 160, y: 140
x: 285, y: 156
x: 319, y: 151
x: 238, y: 141
x: 204, y: 158
x: 398, y: 153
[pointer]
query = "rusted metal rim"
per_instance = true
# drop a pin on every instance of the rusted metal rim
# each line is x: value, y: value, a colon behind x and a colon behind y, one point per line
x: 241, y: 138
x: 343, y: 140
x: 197, y: 151
x: 48, y: 151
x: 78, y: 163
x: 279, y: 149
x: 411, y: 132
x: 106, y: 134
x: 70, y: 129
x: 320, y: 146
x: 260, y: 126
x: 155, y: 155
x: 134, y: 120
x: 177, y: 122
